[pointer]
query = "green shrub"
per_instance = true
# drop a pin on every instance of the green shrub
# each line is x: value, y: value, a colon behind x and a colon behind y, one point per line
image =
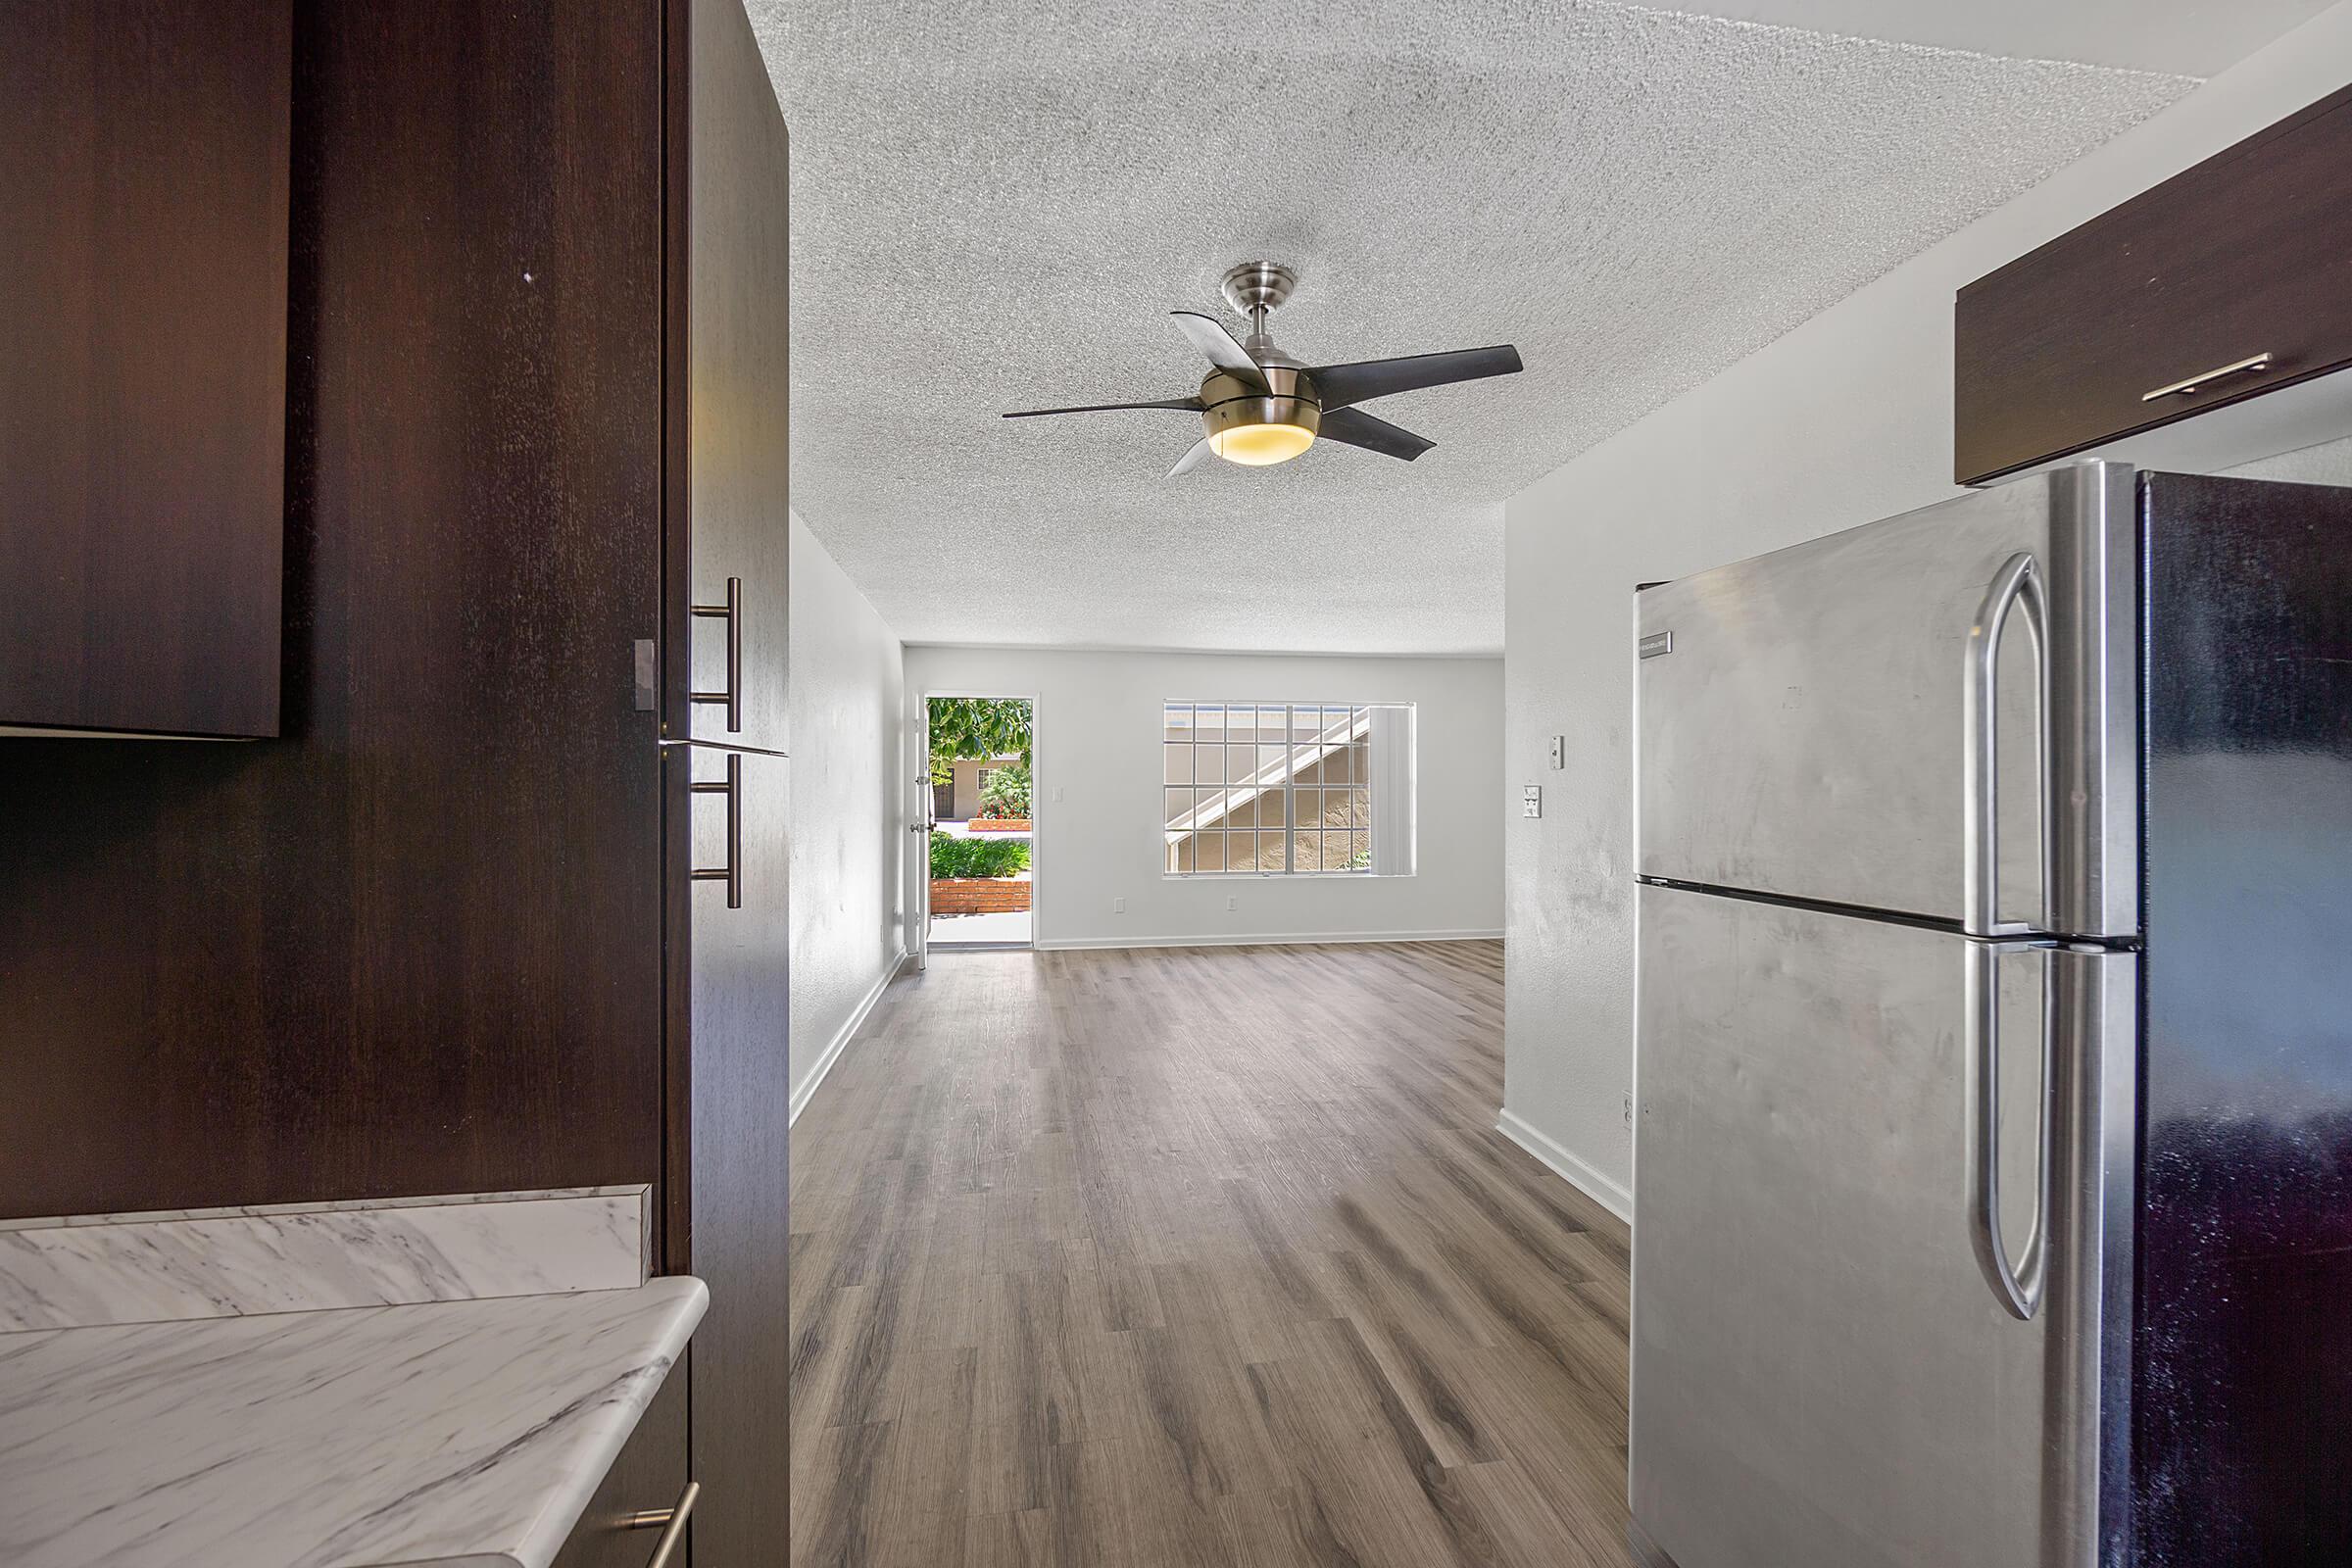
x: 951, y: 857
x: 1007, y: 792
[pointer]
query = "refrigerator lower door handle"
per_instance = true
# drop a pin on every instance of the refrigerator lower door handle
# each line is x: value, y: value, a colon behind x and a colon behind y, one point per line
x: 2018, y: 1286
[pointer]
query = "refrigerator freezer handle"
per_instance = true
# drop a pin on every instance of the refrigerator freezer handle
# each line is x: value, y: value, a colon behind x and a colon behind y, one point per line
x: 2019, y: 1287
x: 2018, y: 583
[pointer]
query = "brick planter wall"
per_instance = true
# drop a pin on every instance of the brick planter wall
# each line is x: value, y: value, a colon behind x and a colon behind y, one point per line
x: 978, y: 894
x: 999, y: 824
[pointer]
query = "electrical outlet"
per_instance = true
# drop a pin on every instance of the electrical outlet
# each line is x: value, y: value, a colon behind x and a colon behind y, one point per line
x: 1056, y: 795
x: 1629, y: 1107
x: 1530, y: 801
x: 1231, y: 903
x: 1118, y: 905
x: 1559, y: 750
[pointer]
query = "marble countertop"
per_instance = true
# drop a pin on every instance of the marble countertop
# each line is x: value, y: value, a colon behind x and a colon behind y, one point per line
x: 466, y: 1432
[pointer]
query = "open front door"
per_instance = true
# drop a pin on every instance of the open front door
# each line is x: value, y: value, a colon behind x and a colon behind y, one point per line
x: 917, y: 756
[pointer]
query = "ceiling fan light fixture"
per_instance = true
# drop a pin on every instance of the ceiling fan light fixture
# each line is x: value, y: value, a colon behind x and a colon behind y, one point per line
x: 1260, y: 446
x: 1270, y: 418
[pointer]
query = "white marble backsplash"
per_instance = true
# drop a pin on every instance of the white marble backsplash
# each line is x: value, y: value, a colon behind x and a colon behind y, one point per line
x: 85, y: 1270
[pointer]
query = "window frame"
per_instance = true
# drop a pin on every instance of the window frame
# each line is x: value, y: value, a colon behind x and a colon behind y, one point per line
x: 1361, y: 784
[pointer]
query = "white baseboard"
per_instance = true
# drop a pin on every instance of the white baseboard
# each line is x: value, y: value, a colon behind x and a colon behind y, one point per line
x: 807, y: 1090
x: 1609, y: 1194
x: 1268, y: 939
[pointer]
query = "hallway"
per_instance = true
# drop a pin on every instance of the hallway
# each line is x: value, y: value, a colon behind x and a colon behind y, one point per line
x: 1196, y: 1257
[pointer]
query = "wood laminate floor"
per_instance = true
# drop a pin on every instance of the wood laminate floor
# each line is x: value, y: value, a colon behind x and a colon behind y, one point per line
x: 1203, y: 1256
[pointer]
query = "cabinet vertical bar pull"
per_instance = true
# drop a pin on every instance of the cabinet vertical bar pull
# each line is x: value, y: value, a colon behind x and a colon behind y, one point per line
x: 732, y: 613
x: 730, y: 873
x: 672, y: 1522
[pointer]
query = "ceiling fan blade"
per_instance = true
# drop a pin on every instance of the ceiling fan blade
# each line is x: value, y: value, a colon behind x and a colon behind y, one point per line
x: 1223, y: 349
x: 1342, y: 385
x: 1357, y: 428
x: 1192, y: 459
x: 1188, y: 405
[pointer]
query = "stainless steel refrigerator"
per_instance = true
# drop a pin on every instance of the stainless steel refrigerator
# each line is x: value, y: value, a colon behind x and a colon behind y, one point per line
x: 1993, y: 1164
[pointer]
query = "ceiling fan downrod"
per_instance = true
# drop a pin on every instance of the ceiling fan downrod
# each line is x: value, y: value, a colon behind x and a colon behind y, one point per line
x: 1258, y: 289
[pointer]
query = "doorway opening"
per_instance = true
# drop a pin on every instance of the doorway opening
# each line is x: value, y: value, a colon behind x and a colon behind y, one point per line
x: 982, y: 839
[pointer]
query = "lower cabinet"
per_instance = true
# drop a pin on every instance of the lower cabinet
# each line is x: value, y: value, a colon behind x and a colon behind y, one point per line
x: 623, y: 1525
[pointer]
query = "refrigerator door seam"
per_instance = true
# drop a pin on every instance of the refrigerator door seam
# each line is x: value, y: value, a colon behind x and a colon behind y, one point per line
x: 1926, y: 922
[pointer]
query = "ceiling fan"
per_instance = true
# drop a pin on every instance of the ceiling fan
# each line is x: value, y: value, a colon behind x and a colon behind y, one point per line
x: 1259, y: 406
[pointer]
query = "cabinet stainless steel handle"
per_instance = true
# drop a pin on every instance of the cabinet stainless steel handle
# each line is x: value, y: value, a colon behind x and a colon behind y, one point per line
x: 2018, y: 583
x: 672, y: 1522
x: 732, y: 613
x: 2251, y: 365
x: 2019, y: 1288
x: 730, y: 873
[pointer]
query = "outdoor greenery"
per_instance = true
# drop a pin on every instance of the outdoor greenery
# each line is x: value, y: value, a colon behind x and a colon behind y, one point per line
x: 1007, y: 792
x: 951, y: 857
x: 980, y: 727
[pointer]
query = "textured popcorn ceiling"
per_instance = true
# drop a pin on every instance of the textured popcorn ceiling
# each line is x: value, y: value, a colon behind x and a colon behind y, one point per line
x: 996, y: 206
x: 2194, y: 37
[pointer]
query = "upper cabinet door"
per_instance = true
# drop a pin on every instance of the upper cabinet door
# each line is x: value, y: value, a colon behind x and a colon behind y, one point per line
x: 2228, y: 280
x: 738, y: 447
x: 143, y: 159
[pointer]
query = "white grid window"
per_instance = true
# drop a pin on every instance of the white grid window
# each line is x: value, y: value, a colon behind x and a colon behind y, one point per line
x: 1255, y: 789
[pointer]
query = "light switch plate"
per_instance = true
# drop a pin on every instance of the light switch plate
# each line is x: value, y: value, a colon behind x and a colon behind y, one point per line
x: 1530, y: 801
x: 1559, y: 750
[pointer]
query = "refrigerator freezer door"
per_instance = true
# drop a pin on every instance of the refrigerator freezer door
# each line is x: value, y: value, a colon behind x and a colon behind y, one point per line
x: 1803, y: 715
x: 1822, y: 1371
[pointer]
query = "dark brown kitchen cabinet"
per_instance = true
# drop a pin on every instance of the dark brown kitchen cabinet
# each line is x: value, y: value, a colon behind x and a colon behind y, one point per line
x: 735, y: 446
x: 143, y: 210
x: 413, y: 945
x: 725, y: 772
x: 451, y: 930
x: 2230, y: 281
x: 624, y: 1522
x: 731, y: 1188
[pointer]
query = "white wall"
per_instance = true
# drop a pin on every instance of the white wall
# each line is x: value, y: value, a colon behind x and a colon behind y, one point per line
x: 1098, y: 740
x: 1846, y: 419
x: 848, y: 699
